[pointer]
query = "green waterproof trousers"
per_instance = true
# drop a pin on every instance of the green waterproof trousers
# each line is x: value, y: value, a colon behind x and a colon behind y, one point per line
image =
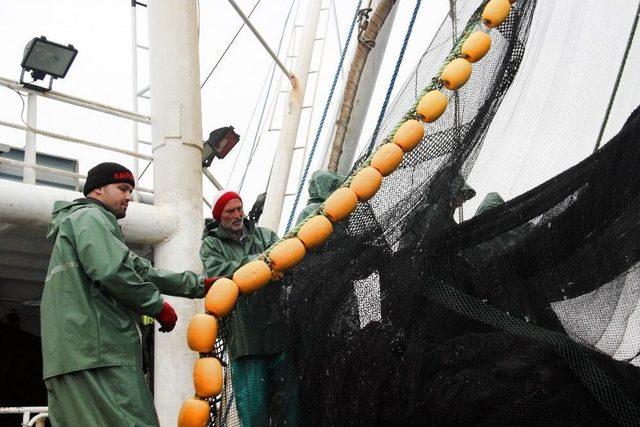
x: 115, y: 396
x: 266, y: 390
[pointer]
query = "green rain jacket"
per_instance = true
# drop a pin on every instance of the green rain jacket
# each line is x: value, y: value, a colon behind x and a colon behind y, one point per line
x: 94, y: 290
x: 321, y: 185
x: 256, y: 325
x: 490, y: 201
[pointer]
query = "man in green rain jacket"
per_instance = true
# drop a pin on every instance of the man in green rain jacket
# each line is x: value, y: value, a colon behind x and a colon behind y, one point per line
x: 321, y: 185
x: 94, y: 293
x: 262, y: 373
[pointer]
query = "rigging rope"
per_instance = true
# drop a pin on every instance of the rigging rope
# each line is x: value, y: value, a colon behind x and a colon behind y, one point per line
x: 264, y: 105
x: 393, y: 77
x: 620, y: 72
x: 229, y: 45
x: 253, y: 114
x: 324, y: 116
x: 456, y: 95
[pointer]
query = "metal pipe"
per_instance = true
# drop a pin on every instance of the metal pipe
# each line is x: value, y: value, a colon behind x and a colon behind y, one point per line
x: 60, y: 172
x: 212, y: 179
x: 29, y: 173
x: 31, y: 206
x: 91, y: 105
x: 22, y: 409
x: 261, y: 40
x: 76, y: 140
x: 177, y: 146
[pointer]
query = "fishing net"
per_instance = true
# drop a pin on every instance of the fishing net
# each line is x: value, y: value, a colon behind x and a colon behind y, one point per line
x: 523, y: 315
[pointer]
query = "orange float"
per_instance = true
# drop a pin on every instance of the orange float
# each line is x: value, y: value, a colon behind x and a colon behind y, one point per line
x: 315, y: 231
x: 476, y: 46
x: 387, y: 158
x: 252, y: 276
x: 207, y: 377
x: 408, y: 135
x: 194, y: 413
x: 496, y: 12
x: 286, y: 254
x: 456, y: 73
x: 432, y: 105
x: 202, y: 332
x: 366, y: 183
x: 340, y: 204
x: 222, y: 297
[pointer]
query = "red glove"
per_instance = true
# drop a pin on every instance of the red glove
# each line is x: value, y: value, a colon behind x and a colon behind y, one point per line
x: 209, y: 281
x: 167, y: 318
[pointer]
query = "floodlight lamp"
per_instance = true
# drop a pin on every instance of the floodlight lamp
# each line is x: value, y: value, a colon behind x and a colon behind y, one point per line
x: 45, y: 58
x: 220, y: 142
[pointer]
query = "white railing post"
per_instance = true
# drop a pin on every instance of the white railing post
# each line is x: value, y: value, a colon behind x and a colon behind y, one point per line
x: 29, y: 172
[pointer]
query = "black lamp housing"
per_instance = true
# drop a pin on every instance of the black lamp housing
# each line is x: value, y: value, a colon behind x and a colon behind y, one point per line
x: 46, y: 58
x: 258, y: 206
x: 220, y: 142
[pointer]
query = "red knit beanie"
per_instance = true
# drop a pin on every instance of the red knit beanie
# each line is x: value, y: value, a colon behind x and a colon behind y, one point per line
x: 220, y: 201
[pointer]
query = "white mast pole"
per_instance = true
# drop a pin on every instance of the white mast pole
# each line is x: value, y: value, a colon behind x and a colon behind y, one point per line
x: 284, y: 153
x: 176, y: 128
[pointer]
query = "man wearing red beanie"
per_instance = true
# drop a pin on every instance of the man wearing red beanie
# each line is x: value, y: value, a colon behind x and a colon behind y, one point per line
x: 255, y: 334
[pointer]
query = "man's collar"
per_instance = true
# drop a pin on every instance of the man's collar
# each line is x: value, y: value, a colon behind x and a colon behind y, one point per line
x: 234, y: 236
x: 93, y: 201
x: 239, y: 237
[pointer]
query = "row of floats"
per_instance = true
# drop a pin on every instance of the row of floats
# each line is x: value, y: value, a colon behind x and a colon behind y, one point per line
x: 315, y: 230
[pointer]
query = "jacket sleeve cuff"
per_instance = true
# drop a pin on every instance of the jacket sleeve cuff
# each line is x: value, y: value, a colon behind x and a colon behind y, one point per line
x: 159, y: 308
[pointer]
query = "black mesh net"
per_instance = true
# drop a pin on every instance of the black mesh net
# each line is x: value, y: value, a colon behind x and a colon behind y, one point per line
x: 522, y: 315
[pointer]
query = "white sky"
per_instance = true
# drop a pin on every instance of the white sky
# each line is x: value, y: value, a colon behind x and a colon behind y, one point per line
x: 101, y: 31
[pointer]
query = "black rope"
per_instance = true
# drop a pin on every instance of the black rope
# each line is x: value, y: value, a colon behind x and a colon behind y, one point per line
x: 620, y: 71
x: 229, y: 45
